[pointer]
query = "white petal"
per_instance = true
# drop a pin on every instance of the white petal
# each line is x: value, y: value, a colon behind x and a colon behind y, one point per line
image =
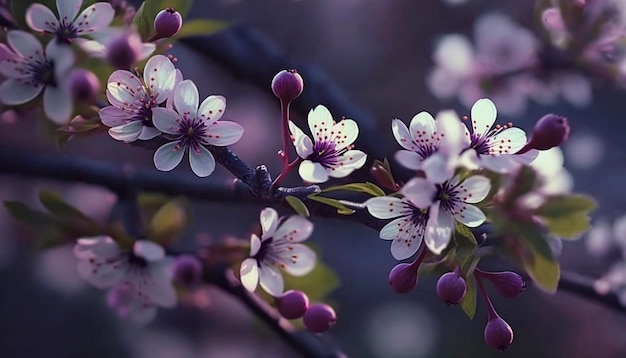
x: 420, y: 192
x: 295, y: 229
x: 302, y: 142
x: 437, y: 168
x: 483, y: 115
x: 91, y: 47
x: 112, y: 116
x: 344, y: 133
x: 474, y: 189
x: 186, y: 97
x: 452, y: 132
x: 312, y: 172
x: 401, y: 133
x: 223, y: 133
x: 509, y: 141
x: 102, y: 277
x: 385, y: 207
x: 95, y: 247
x: 271, y: 280
x: 63, y: 58
x: 168, y: 156
x: 13, y: 92
x: 320, y: 123
x: 160, y: 77
x: 148, y: 133
x: 212, y: 109
x: 148, y: 250
x: 95, y: 17
x: 146, y: 50
x: 255, y: 245
x: 161, y: 293
x: 471, y: 216
x: 41, y: 18
x: 504, y: 163
x: 391, y: 230
x: 165, y: 120
x: 68, y: 9
x: 407, y: 242
x: 127, y: 132
x: 140, y: 313
x: 439, y: 229
x: 57, y: 104
x: 23, y: 43
x: 409, y: 159
x: 125, y: 90
x: 201, y: 161
x: 301, y: 260
x: 249, y: 274
x: 269, y: 222
x: 422, y: 128
x: 347, y: 163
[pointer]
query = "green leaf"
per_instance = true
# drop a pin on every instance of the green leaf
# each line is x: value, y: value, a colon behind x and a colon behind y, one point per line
x: 524, y: 181
x: 28, y: 216
x: 544, y: 271
x: 317, y: 284
x: 367, y: 187
x: 558, y: 206
x: 64, y: 211
x: 468, y: 304
x: 569, y: 227
x: 341, y: 209
x: 144, y: 17
x: 169, y: 222
x: 201, y: 27
x: 532, y: 236
x: 297, y: 205
x: 465, y: 248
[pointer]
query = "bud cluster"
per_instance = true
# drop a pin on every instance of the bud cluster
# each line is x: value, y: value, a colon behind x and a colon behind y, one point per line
x: 294, y: 304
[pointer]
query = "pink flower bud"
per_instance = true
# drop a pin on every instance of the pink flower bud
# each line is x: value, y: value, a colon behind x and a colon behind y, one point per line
x: 550, y: 131
x: 83, y: 85
x: 498, y: 334
x: 451, y: 288
x: 167, y: 23
x: 403, y: 277
x: 187, y: 270
x: 292, y: 304
x: 287, y: 85
x: 124, y: 50
x: 508, y: 284
x: 319, y: 318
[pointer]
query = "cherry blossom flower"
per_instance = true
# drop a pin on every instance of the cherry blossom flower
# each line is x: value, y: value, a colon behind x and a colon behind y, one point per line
x: 140, y: 279
x: 331, y: 153
x: 419, y: 141
x: 191, y: 127
x: 134, y: 99
x: 70, y: 25
x: 29, y: 70
x: 447, y: 203
x: 278, y: 247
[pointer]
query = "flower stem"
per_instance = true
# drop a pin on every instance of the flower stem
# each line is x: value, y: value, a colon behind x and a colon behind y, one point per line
x: 286, y: 169
x: 284, y: 112
x: 491, y: 311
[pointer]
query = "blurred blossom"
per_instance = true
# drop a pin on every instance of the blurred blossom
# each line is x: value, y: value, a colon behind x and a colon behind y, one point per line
x: 94, y: 202
x: 402, y: 330
x: 584, y: 150
x: 599, y: 239
x: 56, y: 268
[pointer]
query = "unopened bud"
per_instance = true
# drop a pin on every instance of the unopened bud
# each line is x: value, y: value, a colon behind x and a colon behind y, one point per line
x: 292, y: 304
x: 83, y: 85
x: 287, y: 85
x: 167, y: 23
x: 383, y: 177
x: 187, y: 270
x: 124, y: 50
x: 508, y: 284
x: 550, y: 131
x: 498, y: 334
x: 403, y: 277
x: 451, y: 288
x: 319, y: 318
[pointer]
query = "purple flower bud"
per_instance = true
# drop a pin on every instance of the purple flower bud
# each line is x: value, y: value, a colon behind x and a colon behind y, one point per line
x: 287, y: 85
x: 550, y: 131
x: 124, y: 50
x: 83, y: 85
x: 498, y: 334
x: 451, y: 288
x: 403, y: 277
x: 167, y: 23
x: 319, y: 318
x: 292, y: 304
x: 508, y: 284
x: 187, y: 270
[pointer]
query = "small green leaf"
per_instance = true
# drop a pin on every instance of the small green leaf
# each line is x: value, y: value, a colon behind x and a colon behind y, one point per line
x: 28, y: 216
x: 468, y: 304
x: 524, y: 181
x: 59, y: 208
x: 297, y: 205
x: 465, y: 248
x: 532, y: 236
x: 367, y: 187
x: 544, y: 271
x: 168, y: 222
x: 568, y: 227
x: 201, y: 27
x: 341, y: 209
x: 558, y: 206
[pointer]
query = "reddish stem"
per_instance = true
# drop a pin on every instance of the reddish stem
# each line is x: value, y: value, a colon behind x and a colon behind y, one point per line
x: 284, y: 111
x: 491, y: 311
x: 286, y: 169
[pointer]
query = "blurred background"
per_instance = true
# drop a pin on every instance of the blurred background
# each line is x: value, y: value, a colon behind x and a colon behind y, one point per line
x: 380, y: 53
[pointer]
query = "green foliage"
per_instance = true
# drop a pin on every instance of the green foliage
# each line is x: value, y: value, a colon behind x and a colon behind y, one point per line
x: 367, y: 188
x: 341, y: 209
x: 544, y: 271
x: 524, y: 181
x: 317, y: 284
x: 465, y: 247
x: 168, y: 222
x: 144, y: 17
x: 201, y: 27
x: 468, y: 304
x: 297, y: 205
x: 567, y: 215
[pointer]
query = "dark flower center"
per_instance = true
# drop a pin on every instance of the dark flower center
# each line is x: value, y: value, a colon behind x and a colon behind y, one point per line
x: 66, y: 31
x: 191, y: 133
x: 137, y: 261
x: 324, y: 153
x: 479, y: 143
x: 448, y: 196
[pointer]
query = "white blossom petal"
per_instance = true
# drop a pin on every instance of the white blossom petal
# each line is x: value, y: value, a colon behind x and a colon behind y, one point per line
x: 454, y: 141
x: 504, y: 163
x: 483, y: 116
x: 312, y: 172
x: 201, y: 161
x: 471, y: 216
x: 255, y: 245
x: 14, y: 92
x: 41, y: 18
x: 57, y: 104
x: 161, y: 293
x: 402, y: 134
x: 271, y: 280
x: 97, y: 246
x: 223, y: 133
x: 112, y: 116
x: 147, y: 48
x: 474, y: 189
x: 407, y: 242
x: 23, y: 43
x: 343, y: 133
x: 420, y: 192
x: 186, y: 97
x: 269, y: 222
x: 148, y: 133
x: 509, y: 141
x: 127, y: 132
x: 168, y: 156
x: 391, y: 230
x: 160, y: 77
x: 212, y: 109
x: 63, y: 58
x: 94, y: 18
x: 102, y: 277
x: 320, y: 123
x: 125, y: 90
x: 68, y: 9
x: 439, y: 229
x: 148, y: 250
x: 295, y: 229
x: 385, y: 207
x: 422, y: 128
x: 91, y: 47
x: 437, y: 168
x: 409, y: 159
x: 165, y: 120
x: 249, y: 274
x: 301, y: 260
x: 140, y: 313
x: 302, y: 142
